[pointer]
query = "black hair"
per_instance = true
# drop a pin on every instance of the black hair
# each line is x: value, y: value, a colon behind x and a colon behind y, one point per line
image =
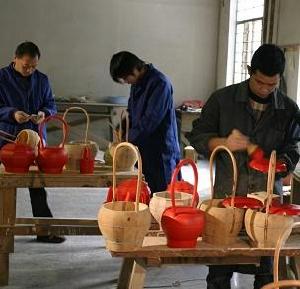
x: 123, y: 63
x: 27, y: 48
x: 268, y: 59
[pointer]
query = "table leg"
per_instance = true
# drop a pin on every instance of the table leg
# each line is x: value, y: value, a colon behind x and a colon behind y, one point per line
x: 7, y: 218
x: 132, y: 275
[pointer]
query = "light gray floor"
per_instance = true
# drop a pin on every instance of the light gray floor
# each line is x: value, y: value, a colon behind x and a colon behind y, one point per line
x: 82, y: 262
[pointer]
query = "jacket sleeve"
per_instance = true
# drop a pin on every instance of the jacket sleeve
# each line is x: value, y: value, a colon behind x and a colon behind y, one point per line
x: 205, y: 127
x: 49, y: 106
x: 290, y: 152
x: 6, y: 112
x: 159, y: 102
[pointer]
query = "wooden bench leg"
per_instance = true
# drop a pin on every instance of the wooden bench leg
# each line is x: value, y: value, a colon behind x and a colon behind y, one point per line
x: 138, y: 275
x: 132, y: 274
x: 4, y: 269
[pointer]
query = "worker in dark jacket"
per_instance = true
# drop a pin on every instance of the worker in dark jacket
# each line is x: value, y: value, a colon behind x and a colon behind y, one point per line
x: 25, y: 91
x: 254, y: 111
x: 153, y: 127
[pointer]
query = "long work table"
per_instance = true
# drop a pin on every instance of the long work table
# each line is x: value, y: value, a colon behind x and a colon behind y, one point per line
x: 11, y: 226
x: 156, y: 253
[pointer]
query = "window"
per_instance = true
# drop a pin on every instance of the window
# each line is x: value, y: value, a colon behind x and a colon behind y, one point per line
x: 248, y: 37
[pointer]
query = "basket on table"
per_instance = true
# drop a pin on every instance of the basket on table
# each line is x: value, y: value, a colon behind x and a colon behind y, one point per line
x: 124, y: 224
x: 223, y: 224
x: 76, y: 148
x: 182, y: 196
x: 280, y: 242
x: 264, y: 228
x: 126, y: 157
x: 183, y: 224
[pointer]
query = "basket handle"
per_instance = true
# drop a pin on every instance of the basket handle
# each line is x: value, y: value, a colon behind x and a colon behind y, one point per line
x: 47, y: 119
x: 271, y: 180
x: 125, y: 114
x: 281, y: 240
x: 87, y: 118
x: 282, y: 284
x: 174, y: 177
x: 234, y: 167
x: 139, y: 180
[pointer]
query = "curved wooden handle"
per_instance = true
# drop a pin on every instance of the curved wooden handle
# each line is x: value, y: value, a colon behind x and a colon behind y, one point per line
x: 282, y: 284
x: 47, y: 119
x: 282, y: 239
x: 271, y: 180
x: 234, y: 167
x: 139, y: 180
x: 124, y: 113
x: 87, y: 118
x: 174, y: 177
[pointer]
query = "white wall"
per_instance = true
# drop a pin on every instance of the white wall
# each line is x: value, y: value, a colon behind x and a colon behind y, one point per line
x: 78, y: 37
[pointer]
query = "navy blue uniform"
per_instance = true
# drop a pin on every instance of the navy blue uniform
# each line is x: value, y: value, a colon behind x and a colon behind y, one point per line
x: 153, y: 127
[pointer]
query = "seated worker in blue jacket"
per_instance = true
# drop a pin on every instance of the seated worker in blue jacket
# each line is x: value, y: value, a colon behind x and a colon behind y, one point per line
x: 152, y: 127
x: 25, y: 91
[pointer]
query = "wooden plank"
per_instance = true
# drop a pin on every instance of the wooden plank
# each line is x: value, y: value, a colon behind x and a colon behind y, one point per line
x: 55, y: 221
x: 4, y: 269
x: 155, y: 247
x: 36, y: 179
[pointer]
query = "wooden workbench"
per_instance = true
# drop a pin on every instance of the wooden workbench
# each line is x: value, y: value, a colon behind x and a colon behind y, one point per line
x: 155, y: 253
x: 11, y: 226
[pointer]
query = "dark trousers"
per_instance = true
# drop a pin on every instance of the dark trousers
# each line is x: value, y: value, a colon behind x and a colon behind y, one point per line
x: 219, y: 276
x: 39, y: 204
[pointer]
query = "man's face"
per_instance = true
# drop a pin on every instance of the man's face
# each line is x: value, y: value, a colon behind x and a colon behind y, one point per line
x: 132, y: 78
x: 26, y: 65
x: 263, y: 85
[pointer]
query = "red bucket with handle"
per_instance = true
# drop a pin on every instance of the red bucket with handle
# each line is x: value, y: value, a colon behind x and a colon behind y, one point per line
x: 183, y: 224
x: 51, y: 159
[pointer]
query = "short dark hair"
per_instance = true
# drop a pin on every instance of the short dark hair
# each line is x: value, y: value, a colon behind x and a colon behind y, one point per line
x: 27, y: 48
x: 123, y: 63
x: 268, y: 59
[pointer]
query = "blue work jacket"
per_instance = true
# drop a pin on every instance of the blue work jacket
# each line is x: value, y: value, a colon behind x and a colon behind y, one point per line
x: 17, y: 93
x: 153, y: 127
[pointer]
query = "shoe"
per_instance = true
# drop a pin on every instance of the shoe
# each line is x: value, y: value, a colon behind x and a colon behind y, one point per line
x: 51, y: 239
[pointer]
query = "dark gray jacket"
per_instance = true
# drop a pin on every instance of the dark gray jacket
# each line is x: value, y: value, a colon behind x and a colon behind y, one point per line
x: 228, y: 109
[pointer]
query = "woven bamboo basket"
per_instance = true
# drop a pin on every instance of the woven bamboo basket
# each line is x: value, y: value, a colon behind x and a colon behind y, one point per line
x: 75, y: 148
x: 162, y: 200
x: 280, y: 242
x: 126, y: 157
x: 124, y: 224
x: 264, y: 229
x: 28, y: 137
x: 222, y: 224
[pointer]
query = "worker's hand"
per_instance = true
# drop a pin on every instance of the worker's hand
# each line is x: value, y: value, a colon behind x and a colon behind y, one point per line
x: 38, y: 118
x: 21, y: 116
x: 236, y: 141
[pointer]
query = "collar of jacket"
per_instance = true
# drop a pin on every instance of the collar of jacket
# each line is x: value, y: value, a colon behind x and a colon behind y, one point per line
x: 146, y: 76
x: 242, y: 95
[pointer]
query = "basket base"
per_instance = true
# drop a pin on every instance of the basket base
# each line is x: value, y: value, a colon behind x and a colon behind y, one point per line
x: 219, y: 240
x: 182, y: 243
x: 256, y: 244
x: 122, y: 247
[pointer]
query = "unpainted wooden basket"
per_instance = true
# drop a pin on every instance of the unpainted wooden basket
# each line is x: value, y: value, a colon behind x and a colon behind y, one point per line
x: 75, y: 148
x: 162, y: 200
x: 124, y: 224
x: 280, y: 242
x: 264, y: 229
x: 222, y: 225
x: 126, y: 157
x: 28, y: 137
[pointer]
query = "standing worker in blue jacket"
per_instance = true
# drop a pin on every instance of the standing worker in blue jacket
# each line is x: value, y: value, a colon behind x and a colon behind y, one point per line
x: 153, y: 127
x: 25, y: 91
